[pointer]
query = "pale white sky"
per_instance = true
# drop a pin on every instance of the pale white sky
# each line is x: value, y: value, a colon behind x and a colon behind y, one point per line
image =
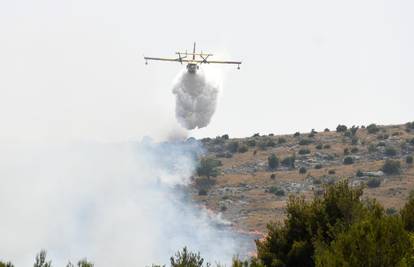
x: 74, y: 69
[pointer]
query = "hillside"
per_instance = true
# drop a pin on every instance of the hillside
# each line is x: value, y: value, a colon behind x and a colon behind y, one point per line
x: 250, y: 193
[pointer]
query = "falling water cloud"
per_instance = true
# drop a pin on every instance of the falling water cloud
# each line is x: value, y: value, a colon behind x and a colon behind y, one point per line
x: 196, y: 99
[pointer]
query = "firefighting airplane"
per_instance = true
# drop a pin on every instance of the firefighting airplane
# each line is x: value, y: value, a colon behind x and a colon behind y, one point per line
x: 193, y: 60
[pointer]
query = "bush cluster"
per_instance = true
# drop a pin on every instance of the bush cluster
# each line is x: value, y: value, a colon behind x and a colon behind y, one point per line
x: 341, y: 128
x: 373, y: 182
x: 41, y: 261
x: 348, y: 160
x: 289, y: 161
x: 243, y: 149
x: 338, y: 229
x: 277, y: 191
x: 390, y: 151
x: 208, y: 167
x: 392, y: 167
x: 304, y: 151
x: 409, y: 126
x: 304, y: 142
x: 302, y: 170
x: 281, y: 140
x: 373, y: 128
x: 233, y: 146
x: 273, y: 162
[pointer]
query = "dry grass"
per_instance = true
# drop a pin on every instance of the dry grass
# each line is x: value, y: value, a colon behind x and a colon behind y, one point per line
x: 253, y: 207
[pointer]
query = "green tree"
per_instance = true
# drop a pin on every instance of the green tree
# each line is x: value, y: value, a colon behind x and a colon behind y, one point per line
x: 82, y: 263
x: 375, y: 241
x: 208, y: 167
x: 187, y: 258
x: 293, y: 243
x: 407, y: 213
x: 40, y: 260
x: 6, y: 264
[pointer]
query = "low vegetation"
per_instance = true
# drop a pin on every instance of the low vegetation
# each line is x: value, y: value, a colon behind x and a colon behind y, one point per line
x: 391, y: 167
x: 337, y: 228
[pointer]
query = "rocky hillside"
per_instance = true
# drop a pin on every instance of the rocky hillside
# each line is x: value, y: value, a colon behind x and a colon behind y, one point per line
x: 249, y: 179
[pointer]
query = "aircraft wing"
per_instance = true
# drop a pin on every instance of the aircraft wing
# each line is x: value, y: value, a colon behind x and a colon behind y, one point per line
x: 220, y: 62
x: 162, y: 59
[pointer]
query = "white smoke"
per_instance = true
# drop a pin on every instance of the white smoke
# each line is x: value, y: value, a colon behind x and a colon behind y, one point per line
x: 116, y: 204
x: 196, y: 99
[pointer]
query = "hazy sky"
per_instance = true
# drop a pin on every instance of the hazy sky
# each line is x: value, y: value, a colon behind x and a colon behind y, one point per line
x: 74, y: 69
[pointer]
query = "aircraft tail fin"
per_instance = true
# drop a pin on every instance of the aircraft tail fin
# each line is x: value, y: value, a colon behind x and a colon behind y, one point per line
x: 194, y: 50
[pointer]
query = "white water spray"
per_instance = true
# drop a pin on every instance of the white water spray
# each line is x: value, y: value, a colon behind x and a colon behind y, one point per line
x: 196, y: 99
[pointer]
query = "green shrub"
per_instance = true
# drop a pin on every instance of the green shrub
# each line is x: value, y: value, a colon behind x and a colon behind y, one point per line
x: 312, y: 133
x: 347, y: 133
x: 359, y: 173
x: 289, y: 161
x: 354, y: 141
x: 273, y: 176
x: 409, y: 160
x: 412, y: 141
x: 204, y: 183
x: 318, y: 166
x: 202, y: 192
x: 304, y: 142
x: 271, y: 143
x: 392, y: 167
x: 233, y: 146
x: 243, y: 149
x: 382, y: 136
x: 390, y: 151
x: 353, y: 130
x: 302, y: 170
x: 225, y: 137
x: 304, y: 151
x: 409, y: 126
x: 372, y: 148
x: 208, y: 167
x: 251, y: 142
x: 341, y: 128
x: 281, y: 140
x: 331, y: 172
x: 262, y: 145
x: 391, y: 211
x: 277, y: 191
x: 372, y: 128
x: 318, y: 146
x: 273, y: 162
x: 354, y: 150
x: 297, y: 134
x: 381, y: 144
x: 348, y: 160
x: 373, y: 182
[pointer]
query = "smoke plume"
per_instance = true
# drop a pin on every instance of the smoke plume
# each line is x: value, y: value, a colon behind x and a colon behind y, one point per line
x: 116, y: 204
x: 196, y: 99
